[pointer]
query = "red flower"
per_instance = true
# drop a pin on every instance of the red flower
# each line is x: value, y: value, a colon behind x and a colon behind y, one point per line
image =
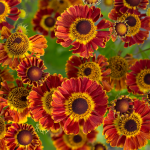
x: 31, y: 71
x: 77, y: 102
x: 92, y: 68
x: 7, y: 9
x: 138, y: 80
x: 134, y: 21
x: 44, y: 21
x: 76, y: 142
x: 130, y: 132
x: 130, y: 6
x: 40, y: 102
x: 76, y: 27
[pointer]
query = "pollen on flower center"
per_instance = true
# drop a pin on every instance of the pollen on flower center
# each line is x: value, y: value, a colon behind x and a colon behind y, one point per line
x: 79, y: 106
x: 49, y: 22
x: 77, y: 138
x: 17, y: 97
x: 34, y: 73
x: 147, y: 78
x: 131, y: 21
x: 17, y: 44
x: 83, y: 27
x: 121, y: 29
x: 133, y: 2
x: 122, y: 105
x: 24, y: 137
x: 2, y: 8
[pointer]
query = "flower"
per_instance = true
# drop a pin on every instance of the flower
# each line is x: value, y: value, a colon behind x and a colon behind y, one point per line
x: 16, y: 99
x: 77, y: 102
x: 77, y: 142
x: 129, y: 132
x: 98, y: 146
x: 122, y: 105
x: 76, y: 27
x: 130, y: 6
x: 18, y: 45
x: 138, y: 80
x: 22, y: 136
x: 92, y: 68
x: 40, y: 101
x: 7, y: 9
x: 58, y: 5
x: 119, y: 68
x: 133, y: 23
x: 31, y: 71
x: 44, y: 21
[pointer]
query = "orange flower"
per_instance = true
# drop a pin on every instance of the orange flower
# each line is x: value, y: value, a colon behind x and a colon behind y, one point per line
x: 18, y: 45
x: 16, y: 100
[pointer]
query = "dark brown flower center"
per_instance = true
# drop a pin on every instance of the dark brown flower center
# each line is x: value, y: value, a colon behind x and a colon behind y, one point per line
x: 122, y: 105
x: 131, y: 21
x: 34, y: 73
x: 2, y: 8
x: 148, y: 96
x: 147, y: 79
x: 99, y: 147
x: 49, y: 22
x: 77, y: 138
x: 61, y: 1
x: 79, y: 106
x: 23, y: 98
x: 17, y: 40
x: 130, y: 125
x: 87, y: 71
x: 24, y: 137
x: 83, y: 27
x: 133, y: 2
x: 121, y: 29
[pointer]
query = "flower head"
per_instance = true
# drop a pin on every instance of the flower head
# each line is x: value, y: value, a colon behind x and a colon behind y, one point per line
x: 18, y: 45
x: 129, y: 132
x: 138, y: 80
x: 31, y: 71
x: 22, y: 136
x: 119, y: 68
x: 44, y: 21
x: 132, y: 25
x: 77, y: 102
x: 92, y: 68
x: 78, y: 142
x: 8, y: 9
x: 78, y: 29
x: 16, y: 99
x: 130, y: 6
x: 40, y: 99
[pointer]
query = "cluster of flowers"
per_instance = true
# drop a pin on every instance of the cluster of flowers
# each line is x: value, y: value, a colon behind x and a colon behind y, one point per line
x: 72, y: 108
